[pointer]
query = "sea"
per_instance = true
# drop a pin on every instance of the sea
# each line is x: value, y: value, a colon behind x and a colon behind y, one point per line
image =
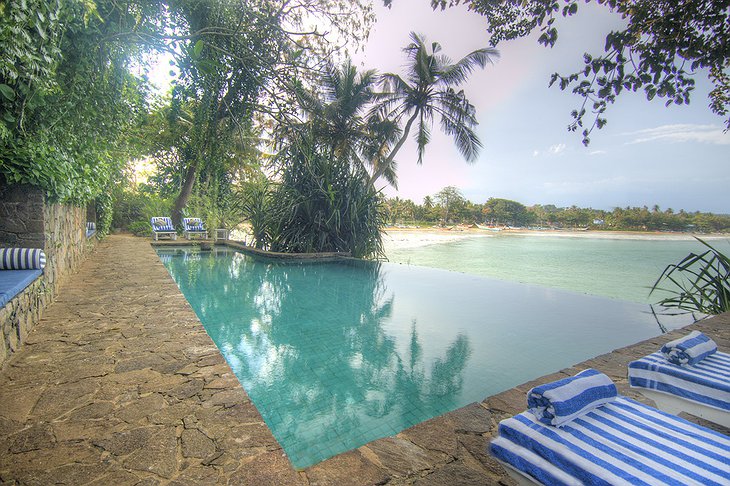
x: 622, y: 266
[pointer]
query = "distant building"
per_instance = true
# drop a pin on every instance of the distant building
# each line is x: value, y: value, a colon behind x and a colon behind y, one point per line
x: 598, y: 222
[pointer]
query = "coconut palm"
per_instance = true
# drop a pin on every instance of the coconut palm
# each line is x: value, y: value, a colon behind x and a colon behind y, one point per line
x: 340, y: 115
x: 428, y: 91
x: 336, y: 113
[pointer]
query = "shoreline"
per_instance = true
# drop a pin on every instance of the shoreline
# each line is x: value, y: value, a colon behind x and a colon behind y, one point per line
x: 395, y: 238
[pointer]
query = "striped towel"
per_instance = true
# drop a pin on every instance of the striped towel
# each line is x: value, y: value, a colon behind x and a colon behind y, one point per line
x: 561, y: 401
x: 689, y: 350
x: 622, y: 442
x: 707, y: 383
x: 22, y: 259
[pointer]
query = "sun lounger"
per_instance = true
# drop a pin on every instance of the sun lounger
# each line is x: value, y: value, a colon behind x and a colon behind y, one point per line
x: 194, y: 226
x: 619, y: 442
x: 701, y: 389
x: 162, y: 226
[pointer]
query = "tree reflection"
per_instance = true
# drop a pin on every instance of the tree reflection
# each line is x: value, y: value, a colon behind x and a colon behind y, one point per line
x: 310, y: 344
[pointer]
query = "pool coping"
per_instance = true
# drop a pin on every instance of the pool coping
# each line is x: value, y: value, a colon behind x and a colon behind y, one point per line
x: 126, y: 387
x: 272, y: 255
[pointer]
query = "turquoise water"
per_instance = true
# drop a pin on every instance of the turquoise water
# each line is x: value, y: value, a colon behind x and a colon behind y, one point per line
x: 622, y: 269
x: 336, y: 355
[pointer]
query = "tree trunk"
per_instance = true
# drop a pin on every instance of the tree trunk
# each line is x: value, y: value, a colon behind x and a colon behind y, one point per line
x: 381, y: 170
x: 185, y: 191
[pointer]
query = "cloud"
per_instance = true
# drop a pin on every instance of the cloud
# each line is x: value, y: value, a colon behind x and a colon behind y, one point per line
x: 555, y: 149
x: 597, y: 152
x: 680, y: 133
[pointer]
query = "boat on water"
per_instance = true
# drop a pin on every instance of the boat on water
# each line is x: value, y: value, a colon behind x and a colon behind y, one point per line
x: 489, y: 228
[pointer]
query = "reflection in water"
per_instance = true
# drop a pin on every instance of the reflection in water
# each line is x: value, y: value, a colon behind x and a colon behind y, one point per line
x: 335, y: 355
x: 315, y: 348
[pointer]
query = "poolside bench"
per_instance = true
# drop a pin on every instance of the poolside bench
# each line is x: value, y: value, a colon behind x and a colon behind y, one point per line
x: 13, y: 282
x: 19, y: 267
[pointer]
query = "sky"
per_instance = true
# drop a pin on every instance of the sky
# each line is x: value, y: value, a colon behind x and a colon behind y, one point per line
x: 677, y: 157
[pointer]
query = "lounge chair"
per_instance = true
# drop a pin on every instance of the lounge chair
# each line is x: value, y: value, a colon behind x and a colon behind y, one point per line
x: 194, y: 226
x: 90, y: 229
x: 620, y: 441
x: 162, y: 226
x: 701, y: 388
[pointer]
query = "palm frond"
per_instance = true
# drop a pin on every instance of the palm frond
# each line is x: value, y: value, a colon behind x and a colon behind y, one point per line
x: 455, y: 74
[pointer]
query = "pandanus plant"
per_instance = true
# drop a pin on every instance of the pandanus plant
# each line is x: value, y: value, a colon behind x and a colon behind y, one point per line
x: 698, y: 283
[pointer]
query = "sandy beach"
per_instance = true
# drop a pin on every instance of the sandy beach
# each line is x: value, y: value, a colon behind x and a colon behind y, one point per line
x: 403, y: 238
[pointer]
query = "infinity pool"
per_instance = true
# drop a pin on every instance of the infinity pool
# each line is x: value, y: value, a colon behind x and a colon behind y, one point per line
x: 336, y: 355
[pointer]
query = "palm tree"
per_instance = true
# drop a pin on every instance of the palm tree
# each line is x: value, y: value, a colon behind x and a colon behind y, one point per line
x: 427, y: 91
x: 336, y: 113
x: 339, y: 115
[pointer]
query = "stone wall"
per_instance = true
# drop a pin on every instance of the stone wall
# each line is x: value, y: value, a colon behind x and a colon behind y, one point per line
x: 28, y: 220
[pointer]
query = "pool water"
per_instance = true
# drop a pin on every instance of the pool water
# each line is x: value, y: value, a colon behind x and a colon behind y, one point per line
x: 335, y: 355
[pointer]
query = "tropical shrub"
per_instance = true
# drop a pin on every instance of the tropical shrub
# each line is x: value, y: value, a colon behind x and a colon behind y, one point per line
x: 132, y: 208
x: 255, y: 200
x: 140, y: 228
x: 324, y: 204
x: 698, y: 283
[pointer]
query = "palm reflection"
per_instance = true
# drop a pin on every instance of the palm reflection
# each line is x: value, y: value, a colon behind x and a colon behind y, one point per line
x: 313, y: 346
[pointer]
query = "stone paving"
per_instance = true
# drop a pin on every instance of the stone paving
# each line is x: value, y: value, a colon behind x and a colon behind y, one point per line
x: 120, y: 385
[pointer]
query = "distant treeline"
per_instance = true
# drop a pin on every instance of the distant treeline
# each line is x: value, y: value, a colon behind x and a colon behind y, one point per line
x: 450, y: 207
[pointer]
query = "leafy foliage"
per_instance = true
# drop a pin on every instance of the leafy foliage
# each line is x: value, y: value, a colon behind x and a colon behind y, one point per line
x: 698, y: 283
x: 324, y: 204
x: 67, y: 96
x: 665, y: 44
x: 255, y: 200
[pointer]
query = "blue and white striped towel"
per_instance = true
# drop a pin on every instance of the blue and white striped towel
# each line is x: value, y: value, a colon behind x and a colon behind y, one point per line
x: 690, y: 349
x: 622, y: 442
x: 561, y: 401
x: 707, y: 382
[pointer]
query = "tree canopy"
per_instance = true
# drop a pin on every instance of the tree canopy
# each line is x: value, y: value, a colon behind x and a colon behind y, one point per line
x: 500, y: 211
x: 663, y: 47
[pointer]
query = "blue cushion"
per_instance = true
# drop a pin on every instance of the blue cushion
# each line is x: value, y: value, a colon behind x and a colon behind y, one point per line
x: 12, y: 282
x: 22, y: 259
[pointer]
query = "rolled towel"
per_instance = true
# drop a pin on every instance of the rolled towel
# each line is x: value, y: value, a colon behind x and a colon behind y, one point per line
x: 561, y: 401
x: 689, y: 350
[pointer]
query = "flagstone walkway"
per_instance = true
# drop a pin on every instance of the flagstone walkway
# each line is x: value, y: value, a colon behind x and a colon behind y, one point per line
x: 119, y: 384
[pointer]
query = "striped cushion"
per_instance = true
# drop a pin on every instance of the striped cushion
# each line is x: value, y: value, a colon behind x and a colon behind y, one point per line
x: 622, y: 442
x: 707, y: 383
x: 162, y: 224
x: 22, y: 259
x: 193, y: 224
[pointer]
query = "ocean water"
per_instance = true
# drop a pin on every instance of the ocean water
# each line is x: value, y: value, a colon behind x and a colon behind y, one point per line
x: 617, y: 268
x: 335, y: 355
